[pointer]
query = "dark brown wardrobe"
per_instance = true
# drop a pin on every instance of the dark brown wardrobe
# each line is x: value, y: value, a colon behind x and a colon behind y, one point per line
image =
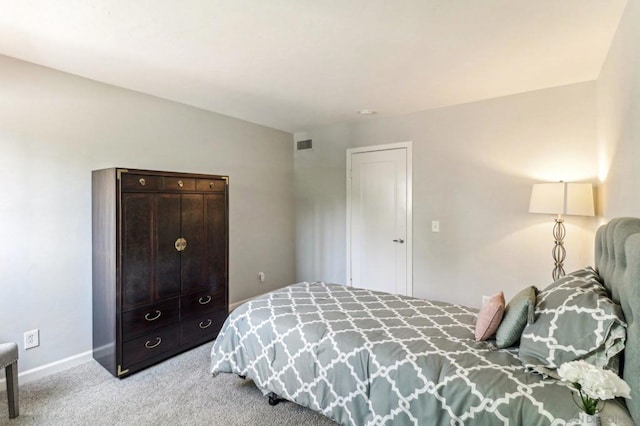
x: 160, y: 264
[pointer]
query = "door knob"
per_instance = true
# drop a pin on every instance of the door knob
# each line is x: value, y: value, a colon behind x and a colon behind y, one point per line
x: 399, y: 240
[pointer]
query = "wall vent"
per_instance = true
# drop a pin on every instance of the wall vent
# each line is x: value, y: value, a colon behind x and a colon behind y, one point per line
x: 306, y: 144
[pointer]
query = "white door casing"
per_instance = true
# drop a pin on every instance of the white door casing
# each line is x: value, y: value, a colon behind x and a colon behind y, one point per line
x: 379, y: 239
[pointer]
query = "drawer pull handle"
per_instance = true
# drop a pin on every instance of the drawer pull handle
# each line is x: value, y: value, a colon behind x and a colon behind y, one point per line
x: 180, y: 183
x: 204, y: 301
x: 142, y: 181
x: 212, y: 185
x: 149, y: 318
x: 204, y: 325
x: 148, y: 344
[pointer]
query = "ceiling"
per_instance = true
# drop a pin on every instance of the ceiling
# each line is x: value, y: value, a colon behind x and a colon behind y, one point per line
x: 295, y: 64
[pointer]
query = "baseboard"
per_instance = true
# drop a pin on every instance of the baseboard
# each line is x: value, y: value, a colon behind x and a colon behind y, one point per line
x: 47, y: 369
x: 232, y: 306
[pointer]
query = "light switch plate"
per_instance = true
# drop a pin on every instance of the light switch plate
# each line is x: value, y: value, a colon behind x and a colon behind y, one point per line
x: 435, y: 226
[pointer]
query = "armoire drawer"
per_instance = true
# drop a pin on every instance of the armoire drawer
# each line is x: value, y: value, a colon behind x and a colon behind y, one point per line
x: 179, y: 184
x: 135, y: 182
x: 198, y: 303
x: 210, y: 185
x: 206, y: 325
x: 149, y: 345
x: 143, y: 320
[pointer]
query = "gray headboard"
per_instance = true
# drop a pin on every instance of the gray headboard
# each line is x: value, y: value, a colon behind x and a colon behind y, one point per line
x: 618, y: 263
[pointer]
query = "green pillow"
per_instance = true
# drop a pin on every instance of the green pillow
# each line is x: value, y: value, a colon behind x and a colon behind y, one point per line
x: 519, y: 312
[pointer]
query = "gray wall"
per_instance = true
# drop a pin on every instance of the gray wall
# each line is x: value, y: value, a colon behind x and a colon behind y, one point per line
x: 619, y: 119
x: 473, y: 167
x: 320, y: 199
x: 54, y: 129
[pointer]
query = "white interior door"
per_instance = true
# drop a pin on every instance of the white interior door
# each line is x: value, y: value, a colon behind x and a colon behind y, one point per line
x: 379, y: 219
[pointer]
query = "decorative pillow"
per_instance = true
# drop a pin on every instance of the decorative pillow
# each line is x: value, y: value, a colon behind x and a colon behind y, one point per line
x: 575, y: 319
x: 518, y: 313
x: 489, y: 317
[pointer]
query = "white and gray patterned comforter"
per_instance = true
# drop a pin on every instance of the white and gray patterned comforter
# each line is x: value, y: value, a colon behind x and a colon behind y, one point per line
x: 368, y: 358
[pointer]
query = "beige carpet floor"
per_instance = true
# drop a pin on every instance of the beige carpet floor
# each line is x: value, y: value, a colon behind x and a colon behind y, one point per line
x: 179, y: 391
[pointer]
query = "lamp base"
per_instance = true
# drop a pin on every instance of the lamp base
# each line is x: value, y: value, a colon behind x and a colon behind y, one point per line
x: 558, y: 253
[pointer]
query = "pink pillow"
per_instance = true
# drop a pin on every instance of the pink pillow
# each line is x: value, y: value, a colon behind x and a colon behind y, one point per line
x: 489, y: 317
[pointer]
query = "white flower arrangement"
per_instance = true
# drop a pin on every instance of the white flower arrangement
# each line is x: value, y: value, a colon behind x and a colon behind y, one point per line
x: 594, y: 384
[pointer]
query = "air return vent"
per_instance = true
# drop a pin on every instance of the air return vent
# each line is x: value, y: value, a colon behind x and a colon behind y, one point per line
x: 300, y: 145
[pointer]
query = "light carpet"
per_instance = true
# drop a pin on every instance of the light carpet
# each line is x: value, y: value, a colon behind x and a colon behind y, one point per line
x: 179, y: 391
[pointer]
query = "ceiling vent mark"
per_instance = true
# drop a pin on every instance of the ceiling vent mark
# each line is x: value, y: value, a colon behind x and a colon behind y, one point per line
x: 301, y: 145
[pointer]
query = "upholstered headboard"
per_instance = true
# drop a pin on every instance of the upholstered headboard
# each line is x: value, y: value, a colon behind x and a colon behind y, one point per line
x: 618, y: 263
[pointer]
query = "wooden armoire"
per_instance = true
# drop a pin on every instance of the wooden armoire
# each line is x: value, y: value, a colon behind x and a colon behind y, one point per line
x: 160, y: 264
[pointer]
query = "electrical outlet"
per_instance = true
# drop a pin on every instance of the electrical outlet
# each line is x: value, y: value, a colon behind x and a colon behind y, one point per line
x: 485, y: 299
x: 261, y: 276
x: 435, y: 226
x: 31, y: 339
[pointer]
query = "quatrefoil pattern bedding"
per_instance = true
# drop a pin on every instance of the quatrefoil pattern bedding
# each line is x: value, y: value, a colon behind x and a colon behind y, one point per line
x: 368, y: 358
x: 575, y: 319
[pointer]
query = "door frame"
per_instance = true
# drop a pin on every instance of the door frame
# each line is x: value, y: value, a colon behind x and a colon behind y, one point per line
x: 409, y: 237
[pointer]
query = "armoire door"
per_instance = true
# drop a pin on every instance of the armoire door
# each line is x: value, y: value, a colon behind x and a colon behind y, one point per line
x: 150, y: 261
x: 204, y: 229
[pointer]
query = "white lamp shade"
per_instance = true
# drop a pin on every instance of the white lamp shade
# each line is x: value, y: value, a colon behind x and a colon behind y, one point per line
x: 547, y: 198
x: 562, y: 198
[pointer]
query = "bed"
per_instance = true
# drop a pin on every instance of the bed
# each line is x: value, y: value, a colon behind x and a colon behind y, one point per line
x: 368, y: 358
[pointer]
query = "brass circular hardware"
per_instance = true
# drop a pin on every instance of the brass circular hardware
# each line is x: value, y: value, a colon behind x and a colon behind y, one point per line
x: 204, y: 301
x: 180, y: 244
x: 148, y: 344
x: 180, y: 183
x: 212, y: 185
x: 142, y: 181
x: 204, y: 325
x: 149, y: 318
